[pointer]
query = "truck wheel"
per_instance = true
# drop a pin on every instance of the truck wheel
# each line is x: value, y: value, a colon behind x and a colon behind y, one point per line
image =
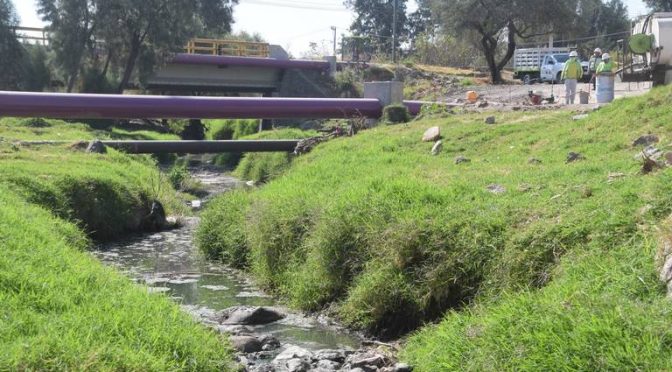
x: 527, y: 80
x: 558, y: 79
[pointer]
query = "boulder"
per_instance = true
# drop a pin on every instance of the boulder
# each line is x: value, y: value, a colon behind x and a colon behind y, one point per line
x: 490, y: 120
x: 96, y: 147
x: 646, y: 140
x: 432, y: 134
x: 328, y: 365
x: 367, y: 361
x: 269, y: 342
x: 246, y: 344
x: 402, y: 367
x: 461, y: 159
x: 332, y: 355
x: 252, y: 316
x: 574, y: 156
x: 293, y: 359
x: 438, y: 146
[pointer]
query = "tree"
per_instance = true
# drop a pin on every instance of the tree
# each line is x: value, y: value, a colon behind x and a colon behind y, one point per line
x: 71, y: 27
x: 131, y: 37
x: 497, y: 21
x: 11, y: 51
x: 375, y: 20
x: 659, y: 5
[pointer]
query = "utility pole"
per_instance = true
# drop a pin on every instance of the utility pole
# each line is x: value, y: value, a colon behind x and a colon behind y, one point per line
x: 394, y: 31
x: 333, y: 28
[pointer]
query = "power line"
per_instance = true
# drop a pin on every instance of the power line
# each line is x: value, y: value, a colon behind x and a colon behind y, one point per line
x: 582, y: 38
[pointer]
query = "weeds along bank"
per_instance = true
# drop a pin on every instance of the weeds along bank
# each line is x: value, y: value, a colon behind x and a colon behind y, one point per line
x: 533, y: 261
x: 60, y: 308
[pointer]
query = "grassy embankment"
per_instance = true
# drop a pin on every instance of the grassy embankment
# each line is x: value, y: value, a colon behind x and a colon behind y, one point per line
x: 60, y: 308
x: 557, y: 272
x: 258, y: 167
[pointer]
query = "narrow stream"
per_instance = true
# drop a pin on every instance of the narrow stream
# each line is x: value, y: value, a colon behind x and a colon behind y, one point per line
x: 169, y: 263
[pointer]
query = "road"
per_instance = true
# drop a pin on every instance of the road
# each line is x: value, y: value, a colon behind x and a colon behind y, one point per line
x: 516, y: 94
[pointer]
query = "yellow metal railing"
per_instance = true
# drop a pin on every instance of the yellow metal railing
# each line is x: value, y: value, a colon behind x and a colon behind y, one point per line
x: 227, y: 48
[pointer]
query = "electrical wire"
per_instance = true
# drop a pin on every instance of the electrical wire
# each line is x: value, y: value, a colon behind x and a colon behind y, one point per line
x: 285, y: 4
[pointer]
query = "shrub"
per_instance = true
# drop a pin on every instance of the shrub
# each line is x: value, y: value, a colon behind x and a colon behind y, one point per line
x: 395, y: 114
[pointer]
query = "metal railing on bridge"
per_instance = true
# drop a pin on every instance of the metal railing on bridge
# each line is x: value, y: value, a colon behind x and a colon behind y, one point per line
x: 217, y: 47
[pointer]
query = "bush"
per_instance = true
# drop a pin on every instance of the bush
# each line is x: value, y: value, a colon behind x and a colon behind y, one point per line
x: 178, y: 175
x: 35, y: 123
x: 348, y: 83
x: 378, y: 73
x: 395, y: 114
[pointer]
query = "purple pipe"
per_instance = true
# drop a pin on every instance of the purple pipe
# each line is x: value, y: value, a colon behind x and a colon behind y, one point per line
x: 103, y: 106
x: 203, y: 59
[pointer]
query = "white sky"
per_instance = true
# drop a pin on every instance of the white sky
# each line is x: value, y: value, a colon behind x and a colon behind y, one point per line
x: 292, y: 24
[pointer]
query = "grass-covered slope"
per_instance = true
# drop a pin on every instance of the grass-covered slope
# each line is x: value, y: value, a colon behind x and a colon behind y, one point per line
x: 555, y: 272
x: 60, y: 309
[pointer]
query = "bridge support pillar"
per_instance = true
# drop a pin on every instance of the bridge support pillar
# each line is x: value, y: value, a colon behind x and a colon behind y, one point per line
x: 387, y: 92
x: 332, y: 64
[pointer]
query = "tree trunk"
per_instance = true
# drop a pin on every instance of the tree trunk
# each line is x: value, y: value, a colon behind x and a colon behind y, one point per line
x: 511, y: 46
x: 71, y: 80
x: 130, y: 63
x: 489, y: 49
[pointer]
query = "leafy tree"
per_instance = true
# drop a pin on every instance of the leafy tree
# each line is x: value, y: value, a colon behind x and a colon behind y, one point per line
x: 375, y: 20
x: 71, y: 26
x: 138, y: 34
x: 11, y: 51
x: 659, y: 5
x: 497, y: 21
x: 37, y: 71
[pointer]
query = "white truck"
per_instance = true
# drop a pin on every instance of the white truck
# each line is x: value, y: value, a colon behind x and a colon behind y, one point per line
x: 542, y: 64
x: 647, y: 55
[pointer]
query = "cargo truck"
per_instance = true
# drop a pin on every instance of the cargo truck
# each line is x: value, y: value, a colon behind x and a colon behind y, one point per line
x: 542, y: 64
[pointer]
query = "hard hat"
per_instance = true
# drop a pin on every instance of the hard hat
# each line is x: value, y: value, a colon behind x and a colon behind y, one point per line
x: 597, y: 50
x: 573, y: 53
x: 605, y: 56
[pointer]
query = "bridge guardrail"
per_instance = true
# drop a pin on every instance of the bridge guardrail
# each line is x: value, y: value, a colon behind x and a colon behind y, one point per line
x: 217, y: 47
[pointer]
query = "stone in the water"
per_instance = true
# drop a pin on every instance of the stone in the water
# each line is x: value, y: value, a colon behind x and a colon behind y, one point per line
x: 328, y: 365
x: 438, y: 146
x: 215, y: 287
x: 96, y: 147
x: 432, y: 134
x: 462, y: 159
x: 252, y: 316
x: 490, y: 120
x: 246, y: 344
x: 367, y: 361
x: 496, y: 189
x: 333, y: 355
x: 646, y: 140
x: 574, y: 156
x: 293, y: 358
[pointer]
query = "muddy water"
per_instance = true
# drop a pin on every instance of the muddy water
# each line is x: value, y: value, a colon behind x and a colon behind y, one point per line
x: 169, y: 264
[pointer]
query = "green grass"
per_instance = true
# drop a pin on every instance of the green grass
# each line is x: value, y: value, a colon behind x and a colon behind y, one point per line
x: 231, y: 128
x: 262, y: 167
x: 60, y: 309
x: 558, y: 272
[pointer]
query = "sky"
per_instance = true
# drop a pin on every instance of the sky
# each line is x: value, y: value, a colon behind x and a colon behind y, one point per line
x: 293, y: 24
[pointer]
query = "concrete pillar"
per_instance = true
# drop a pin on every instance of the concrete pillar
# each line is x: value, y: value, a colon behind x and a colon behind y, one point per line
x: 386, y: 92
x: 332, y: 65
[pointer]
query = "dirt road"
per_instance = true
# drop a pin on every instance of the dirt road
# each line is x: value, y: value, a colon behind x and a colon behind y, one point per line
x: 515, y: 94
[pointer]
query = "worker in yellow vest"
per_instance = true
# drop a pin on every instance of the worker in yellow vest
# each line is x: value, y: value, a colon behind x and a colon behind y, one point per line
x: 571, y: 73
x: 605, y: 80
x: 606, y: 67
